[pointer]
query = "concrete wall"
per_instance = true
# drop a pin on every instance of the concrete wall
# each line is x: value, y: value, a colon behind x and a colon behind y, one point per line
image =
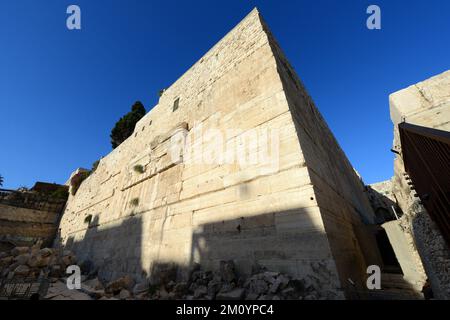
x: 426, y: 104
x: 283, y: 215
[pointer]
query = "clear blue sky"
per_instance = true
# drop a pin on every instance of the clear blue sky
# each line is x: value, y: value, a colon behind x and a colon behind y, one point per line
x: 62, y: 91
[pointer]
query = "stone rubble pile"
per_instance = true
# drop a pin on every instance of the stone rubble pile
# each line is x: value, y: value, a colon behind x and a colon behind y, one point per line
x: 206, y: 285
x: 32, y: 262
x: 224, y: 284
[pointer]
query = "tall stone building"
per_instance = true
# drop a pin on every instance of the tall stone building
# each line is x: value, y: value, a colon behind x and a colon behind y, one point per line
x: 257, y: 178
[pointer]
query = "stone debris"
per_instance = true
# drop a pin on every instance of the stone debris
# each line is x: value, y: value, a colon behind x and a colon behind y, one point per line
x: 32, y: 262
x: 124, y: 294
x: 235, y: 294
x: 59, y: 291
x: 224, y: 284
x: 141, y: 288
x: 116, y: 286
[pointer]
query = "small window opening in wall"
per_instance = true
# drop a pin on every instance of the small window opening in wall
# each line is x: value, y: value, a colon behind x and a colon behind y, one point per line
x: 176, y: 104
x: 150, y: 123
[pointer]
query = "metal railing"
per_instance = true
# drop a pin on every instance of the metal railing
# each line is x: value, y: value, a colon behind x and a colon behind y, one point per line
x: 24, y: 288
x: 426, y: 155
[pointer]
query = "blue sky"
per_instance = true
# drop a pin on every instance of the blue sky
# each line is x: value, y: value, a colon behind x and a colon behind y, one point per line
x: 62, y: 91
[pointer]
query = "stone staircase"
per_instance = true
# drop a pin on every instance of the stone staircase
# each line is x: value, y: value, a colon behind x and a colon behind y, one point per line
x: 395, y: 287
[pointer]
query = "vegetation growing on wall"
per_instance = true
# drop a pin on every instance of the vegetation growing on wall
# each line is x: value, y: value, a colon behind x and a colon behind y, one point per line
x: 138, y: 168
x: 125, y: 126
x: 134, y: 202
x: 77, y: 179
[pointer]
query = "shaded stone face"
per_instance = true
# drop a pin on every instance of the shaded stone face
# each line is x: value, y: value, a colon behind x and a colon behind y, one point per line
x: 425, y: 104
x: 27, y: 216
x: 235, y: 163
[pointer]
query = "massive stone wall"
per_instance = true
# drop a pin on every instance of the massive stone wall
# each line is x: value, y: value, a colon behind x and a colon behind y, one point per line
x: 295, y: 208
x: 26, y: 217
x: 339, y: 191
x: 426, y: 104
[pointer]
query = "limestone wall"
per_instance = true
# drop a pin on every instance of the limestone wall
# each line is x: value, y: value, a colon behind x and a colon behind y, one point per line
x: 383, y: 201
x: 339, y: 191
x: 426, y: 104
x: 27, y: 217
x: 179, y: 210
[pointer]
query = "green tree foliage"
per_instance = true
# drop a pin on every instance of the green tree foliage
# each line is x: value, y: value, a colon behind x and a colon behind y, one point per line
x: 125, y: 126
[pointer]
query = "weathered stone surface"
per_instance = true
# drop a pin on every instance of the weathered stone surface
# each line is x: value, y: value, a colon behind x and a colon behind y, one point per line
x: 200, y: 292
x: 20, y: 250
x: 180, y: 288
x: 94, y: 283
x: 68, y: 258
x: 56, y: 271
x: 45, y: 252
x: 236, y: 294
x: 141, y: 288
x: 28, y: 216
x: 251, y: 296
x: 278, y: 284
x: 227, y: 271
x: 124, y: 294
x: 6, y: 261
x: 21, y: 270
x: 214, y: 286
x: 258, y: 286
x: 23, y: 258
x: 125, y: 282
x: 39, y: 261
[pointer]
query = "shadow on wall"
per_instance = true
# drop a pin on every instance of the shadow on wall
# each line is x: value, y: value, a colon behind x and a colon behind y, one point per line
x: 344, y: 206
x: 383, y: 206
x: 291, y: 241
x: 112, y: 252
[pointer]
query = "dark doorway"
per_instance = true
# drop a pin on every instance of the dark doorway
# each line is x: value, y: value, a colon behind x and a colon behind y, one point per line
x: 390, y: 261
